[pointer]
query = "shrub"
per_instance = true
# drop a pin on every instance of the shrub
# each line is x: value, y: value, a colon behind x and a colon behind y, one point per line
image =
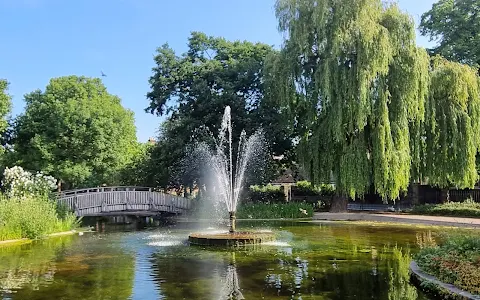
x: 20, y: 183
x: 467, y: 208
x: 265, y: 194
x: 290, y: 210
x: 456, y: 261
x: 31, y: 217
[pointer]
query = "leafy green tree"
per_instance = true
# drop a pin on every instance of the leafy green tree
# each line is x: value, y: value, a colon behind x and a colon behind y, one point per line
x: 452, y: 125
x: 358, y: 82
x: 138, y: 172
x: 5, y: 108
x: 76, y: 131
x: 193, y: 90
x: 455, y: 26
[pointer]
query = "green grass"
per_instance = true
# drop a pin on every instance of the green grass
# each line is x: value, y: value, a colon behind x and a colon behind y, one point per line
x: 290, y: 210
x: 32, y: 217
x: 468, y: 208
x: 456, y: 261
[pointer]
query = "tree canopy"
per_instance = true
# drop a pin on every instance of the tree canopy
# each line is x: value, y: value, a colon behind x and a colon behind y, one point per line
x: 5, y: 107
x: 76, y: 131
x: 355, y: 72
x: 455, y: 26
x: 452, y: 126
x: 194, y: 88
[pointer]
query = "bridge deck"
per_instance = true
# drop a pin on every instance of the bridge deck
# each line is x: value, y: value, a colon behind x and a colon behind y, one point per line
x: 122, y: 201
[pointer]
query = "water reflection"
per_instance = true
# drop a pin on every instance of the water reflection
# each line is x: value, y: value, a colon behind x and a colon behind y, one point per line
x: 231, y: 285
x: 66, y: 268
x: 307, y: 262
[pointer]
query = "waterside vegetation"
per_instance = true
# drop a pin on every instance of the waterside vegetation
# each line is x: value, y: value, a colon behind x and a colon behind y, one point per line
x: 26, y: 208
x: 291, y: 210
x: 455, y: 261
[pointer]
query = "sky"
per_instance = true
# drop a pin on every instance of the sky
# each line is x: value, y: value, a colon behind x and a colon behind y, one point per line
x: 43, y: 39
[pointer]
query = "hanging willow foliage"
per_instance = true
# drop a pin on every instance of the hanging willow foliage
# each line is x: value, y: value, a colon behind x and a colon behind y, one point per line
x: 361, y: 85
x: 452, y: 125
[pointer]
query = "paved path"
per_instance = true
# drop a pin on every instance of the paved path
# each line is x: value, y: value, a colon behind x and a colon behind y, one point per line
x: 399, y: 218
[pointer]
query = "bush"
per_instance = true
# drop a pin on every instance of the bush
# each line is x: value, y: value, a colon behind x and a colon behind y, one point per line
x: 31, y: 217
x: 20, y: 183
x: 265, y: 194
x: 456, y: 261
x: 290, y: 210
x: 467, y: 208
x: 305, y: 188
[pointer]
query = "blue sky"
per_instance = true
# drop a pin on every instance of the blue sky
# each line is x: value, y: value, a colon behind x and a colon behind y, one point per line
x: 42, y: 39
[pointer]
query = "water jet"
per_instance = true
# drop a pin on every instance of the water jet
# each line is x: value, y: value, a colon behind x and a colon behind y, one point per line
x: 228, y: 183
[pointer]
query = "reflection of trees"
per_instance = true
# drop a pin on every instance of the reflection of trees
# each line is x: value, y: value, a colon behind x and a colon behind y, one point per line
x: 29, y: 264
x: 399, y: 285
x: 70, y: 268
x: 344, y: 263
x: 425, y: 239
x: 185, y: 276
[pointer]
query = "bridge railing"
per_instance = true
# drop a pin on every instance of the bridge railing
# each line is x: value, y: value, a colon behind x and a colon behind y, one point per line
x: 86, y: 202
x: 102, y: 189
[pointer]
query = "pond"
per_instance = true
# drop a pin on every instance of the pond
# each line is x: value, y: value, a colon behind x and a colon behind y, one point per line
x: 308, y: 261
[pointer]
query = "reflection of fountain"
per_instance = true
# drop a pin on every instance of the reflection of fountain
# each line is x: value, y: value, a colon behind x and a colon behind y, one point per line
x: 231, y: 287
x: 228, y: 181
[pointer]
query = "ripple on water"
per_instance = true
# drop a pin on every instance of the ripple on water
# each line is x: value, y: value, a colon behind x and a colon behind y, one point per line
x: 165, y: 243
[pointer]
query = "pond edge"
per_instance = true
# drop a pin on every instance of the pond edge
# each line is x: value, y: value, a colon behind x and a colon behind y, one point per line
x: 55, y: 234
x: 432, y: 284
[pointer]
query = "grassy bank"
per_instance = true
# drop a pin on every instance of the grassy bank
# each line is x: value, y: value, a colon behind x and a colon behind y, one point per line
x: 274, y: 211
x: 456, y: 261
x: 467, y: 208
x: 32, y: 217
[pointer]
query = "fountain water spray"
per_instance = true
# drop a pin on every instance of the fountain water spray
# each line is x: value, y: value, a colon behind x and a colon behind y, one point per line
x: 229, y: 180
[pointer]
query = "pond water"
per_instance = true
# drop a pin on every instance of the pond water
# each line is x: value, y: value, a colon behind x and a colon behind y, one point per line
x: 308, y: 261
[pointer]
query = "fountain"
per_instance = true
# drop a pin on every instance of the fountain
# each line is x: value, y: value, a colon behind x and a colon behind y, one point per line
x: 228, y: 183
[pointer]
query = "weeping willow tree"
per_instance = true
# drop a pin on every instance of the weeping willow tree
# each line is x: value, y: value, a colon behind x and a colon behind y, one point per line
x: 452, y: 126
x: 358, y: 84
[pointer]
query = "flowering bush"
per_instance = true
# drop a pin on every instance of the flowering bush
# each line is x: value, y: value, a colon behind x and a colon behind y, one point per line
x: 20, y: 183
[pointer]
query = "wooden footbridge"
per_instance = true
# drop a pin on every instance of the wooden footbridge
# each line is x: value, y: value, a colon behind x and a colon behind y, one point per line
x: 122, y: 200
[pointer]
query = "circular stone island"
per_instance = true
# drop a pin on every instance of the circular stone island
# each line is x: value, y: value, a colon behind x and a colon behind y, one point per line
x: 230, y: 239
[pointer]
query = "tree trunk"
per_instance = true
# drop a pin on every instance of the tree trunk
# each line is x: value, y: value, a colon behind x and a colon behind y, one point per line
x: 445, y: 195
x: 339, y: 203
x: 415, y: 193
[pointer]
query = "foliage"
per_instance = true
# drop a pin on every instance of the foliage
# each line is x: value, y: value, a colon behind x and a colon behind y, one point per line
x: 290, y: 210
x: 457, y: 261
x: 354, y: 72
x: 455, y: 26
x: 467, y: 208
x: 31, y: 217
x: 452, y: 124
x: 306, y: 188
x: 76, y: 131
x: 19, y: 183
x: 266, y: 194
x: 138, y: 172
x: 5, y: 107
x: 193, y: 90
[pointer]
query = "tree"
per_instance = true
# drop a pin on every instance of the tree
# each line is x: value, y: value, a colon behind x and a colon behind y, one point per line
x: 193, y: 90
x: 354, y: 72
x: 5, y: 107
x: 76, y: 131
x: 452, y: 125
x: 455, y: 26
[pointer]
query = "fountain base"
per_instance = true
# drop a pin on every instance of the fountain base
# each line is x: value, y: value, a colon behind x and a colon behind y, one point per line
x: 229, y: 239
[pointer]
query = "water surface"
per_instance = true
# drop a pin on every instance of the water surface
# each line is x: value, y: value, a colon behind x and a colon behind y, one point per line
x: 308, y: 261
